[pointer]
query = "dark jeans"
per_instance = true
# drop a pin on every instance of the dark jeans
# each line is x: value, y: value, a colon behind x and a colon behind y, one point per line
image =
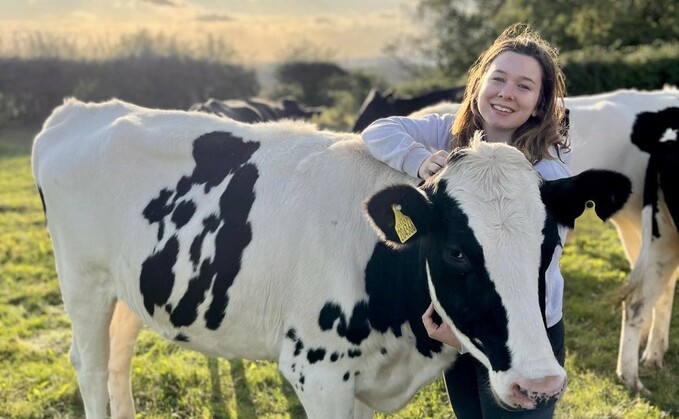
x: 470, y: 396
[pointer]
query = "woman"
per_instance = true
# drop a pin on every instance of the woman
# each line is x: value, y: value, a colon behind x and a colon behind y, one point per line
x: 514, y: 94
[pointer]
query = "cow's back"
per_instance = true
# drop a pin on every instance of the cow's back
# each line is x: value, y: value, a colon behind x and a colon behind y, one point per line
x: 601, y: 127
x: 164, y: 202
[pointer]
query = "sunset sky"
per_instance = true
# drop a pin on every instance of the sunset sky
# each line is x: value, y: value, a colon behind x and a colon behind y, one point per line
x: 259, y: 30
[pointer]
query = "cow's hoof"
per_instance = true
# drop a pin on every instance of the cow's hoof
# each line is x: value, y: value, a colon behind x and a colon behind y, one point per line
x: 634, y: 385
x: 651, y: 361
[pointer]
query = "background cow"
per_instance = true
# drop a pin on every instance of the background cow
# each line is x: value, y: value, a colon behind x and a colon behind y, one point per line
x: 243, y: 240
x: 379, y: 105
x: 634, y: 132
x: 258, y: 109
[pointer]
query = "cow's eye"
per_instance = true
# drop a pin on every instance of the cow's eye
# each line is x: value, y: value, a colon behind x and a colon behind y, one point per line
x: 454, y: 256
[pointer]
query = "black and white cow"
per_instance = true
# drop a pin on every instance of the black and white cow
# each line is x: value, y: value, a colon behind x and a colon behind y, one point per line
x: 635, y: 133
x: 380, y: 104
x: 252, y: 241
x: 258, y: 109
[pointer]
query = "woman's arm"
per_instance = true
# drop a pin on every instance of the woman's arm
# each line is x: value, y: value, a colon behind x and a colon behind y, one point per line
x: 405, y: 143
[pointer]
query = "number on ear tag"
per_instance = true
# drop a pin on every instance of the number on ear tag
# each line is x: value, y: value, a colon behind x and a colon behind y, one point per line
x: 403, y: 225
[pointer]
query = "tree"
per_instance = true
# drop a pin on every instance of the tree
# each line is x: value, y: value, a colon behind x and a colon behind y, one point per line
x: 458, y: 30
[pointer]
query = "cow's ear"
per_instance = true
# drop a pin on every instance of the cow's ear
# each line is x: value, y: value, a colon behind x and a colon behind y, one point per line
x: 400, y: 214
x: 566, y: 198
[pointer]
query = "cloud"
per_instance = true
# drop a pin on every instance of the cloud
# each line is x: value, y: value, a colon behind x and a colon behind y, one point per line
x: 214, y: 17
x: 161, y: 2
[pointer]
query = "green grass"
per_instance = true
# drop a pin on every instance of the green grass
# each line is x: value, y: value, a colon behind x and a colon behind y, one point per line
x: 37, y: 380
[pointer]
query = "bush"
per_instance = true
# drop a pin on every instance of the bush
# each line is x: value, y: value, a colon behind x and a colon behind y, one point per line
x: 31, y: 88
x: 596, y: 69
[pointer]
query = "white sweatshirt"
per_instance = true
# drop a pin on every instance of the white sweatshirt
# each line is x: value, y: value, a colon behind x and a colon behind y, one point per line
x: 404, y: 143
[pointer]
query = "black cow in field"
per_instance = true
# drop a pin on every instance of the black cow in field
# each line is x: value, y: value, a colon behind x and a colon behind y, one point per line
x: 379, y: 105
x: 257, y: 109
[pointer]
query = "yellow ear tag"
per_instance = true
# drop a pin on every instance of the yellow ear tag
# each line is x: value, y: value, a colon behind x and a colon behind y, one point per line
x: 404, y: 226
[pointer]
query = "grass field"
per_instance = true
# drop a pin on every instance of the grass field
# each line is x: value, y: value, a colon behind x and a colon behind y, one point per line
x: 37, y: 381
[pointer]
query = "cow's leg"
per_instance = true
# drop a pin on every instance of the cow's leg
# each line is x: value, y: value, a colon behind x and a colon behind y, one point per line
x: 666, y: 247
x: 629, y: 231
x: 362, y: 410
x: 123, y: 333
x: 89, y: 304
x: 658, y: 339
x: 323, y: 392
x: 648, y: 280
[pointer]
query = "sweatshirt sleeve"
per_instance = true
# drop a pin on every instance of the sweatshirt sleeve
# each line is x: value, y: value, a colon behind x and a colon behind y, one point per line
x: 404, y: 143
x: 554, y: 169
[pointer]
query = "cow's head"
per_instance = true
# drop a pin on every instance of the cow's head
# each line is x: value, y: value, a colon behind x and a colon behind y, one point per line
x: 376, y: 105
x: 479, y: 224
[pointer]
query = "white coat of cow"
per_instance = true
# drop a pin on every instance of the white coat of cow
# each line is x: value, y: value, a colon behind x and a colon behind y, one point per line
x: 252, y: 241
x: 624, y: 130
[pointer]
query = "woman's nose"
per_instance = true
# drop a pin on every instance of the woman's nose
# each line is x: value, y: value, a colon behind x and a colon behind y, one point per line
x: 506, y: 93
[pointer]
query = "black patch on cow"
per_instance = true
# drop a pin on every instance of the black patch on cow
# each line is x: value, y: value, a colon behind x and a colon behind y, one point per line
x: 183, y: 186
x: 168, y: 308
x: 299, y: 347
x: 550, y: 242
x: 334, y: 357
x: 647, y: 132
x: 302, y: 379
x: 232, y: 239
x: 315, y: 355
x: 183, y: 213
x: 158, y: 209
x: 181, y: 338
x: 187, y: 308
x: 649, y: 127
x: 661, y: 174
x: 463, y: 286
x: 346, y: 376
x: 397, y: 288
x: 42, y: 200
x: 383, y: 351
x: 217, y: 155
x: 566, y: 198
x: 354, y: 353
x: 358, y: 327
x: 456, y: 155
x: 669, y: 181
x: 210, y: 225
x: 157, y: 279
x: 291, y: 334
x: 636, y: 309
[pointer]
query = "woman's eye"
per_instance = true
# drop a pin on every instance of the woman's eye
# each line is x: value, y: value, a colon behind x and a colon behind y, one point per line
x: 523, y: 87
x: 498, y: 79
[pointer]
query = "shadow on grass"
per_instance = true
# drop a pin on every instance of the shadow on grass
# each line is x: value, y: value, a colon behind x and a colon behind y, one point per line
x: 217, y: 399
x: 243, y: 396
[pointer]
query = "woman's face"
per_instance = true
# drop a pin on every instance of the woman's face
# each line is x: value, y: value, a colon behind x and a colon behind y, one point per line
x: 509, y: 94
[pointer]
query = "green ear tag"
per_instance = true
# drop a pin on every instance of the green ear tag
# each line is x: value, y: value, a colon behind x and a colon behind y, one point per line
x: 403, y: 225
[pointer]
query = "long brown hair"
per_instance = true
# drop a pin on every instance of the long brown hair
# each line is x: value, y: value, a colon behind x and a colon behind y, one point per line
x: 539, y: 133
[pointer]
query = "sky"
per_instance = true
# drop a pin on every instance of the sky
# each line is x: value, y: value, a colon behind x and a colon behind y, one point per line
x: 258, y: 30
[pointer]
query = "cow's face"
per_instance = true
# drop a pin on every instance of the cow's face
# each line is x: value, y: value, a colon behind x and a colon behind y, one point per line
x: 479, y: 224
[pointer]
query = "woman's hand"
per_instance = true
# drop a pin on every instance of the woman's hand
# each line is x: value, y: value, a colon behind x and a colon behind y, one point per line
x: 432, y: 164
x: 440, y: 332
